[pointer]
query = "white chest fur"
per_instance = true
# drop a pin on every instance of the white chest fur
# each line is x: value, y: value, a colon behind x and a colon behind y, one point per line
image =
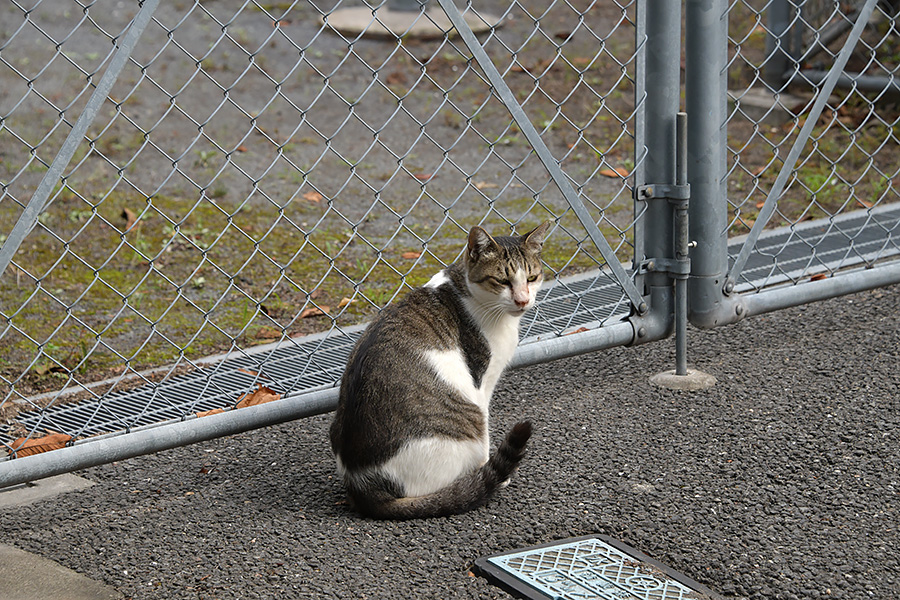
x: 450, y: 365
x: 503, y: 337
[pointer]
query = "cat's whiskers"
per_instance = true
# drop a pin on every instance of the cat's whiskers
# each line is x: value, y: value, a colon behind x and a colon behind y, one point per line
x: 489, y: 313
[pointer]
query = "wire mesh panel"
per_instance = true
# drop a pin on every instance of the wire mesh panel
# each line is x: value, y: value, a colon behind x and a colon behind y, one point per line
x: 835, y: 203
x: 261, y: 180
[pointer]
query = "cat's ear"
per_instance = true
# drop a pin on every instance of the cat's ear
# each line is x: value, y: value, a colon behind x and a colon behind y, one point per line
x: 481, y: 243
x: 534, y: 239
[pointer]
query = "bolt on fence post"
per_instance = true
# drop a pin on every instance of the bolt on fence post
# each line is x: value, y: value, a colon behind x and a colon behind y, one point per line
x: 706, y: 96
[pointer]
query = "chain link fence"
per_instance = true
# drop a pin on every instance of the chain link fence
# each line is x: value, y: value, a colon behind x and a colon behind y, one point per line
x: 833, y: 207
x: 263, y: 177
x: 256, y: 176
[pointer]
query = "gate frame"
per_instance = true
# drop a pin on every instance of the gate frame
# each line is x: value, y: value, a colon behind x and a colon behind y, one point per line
x: 713, y: 301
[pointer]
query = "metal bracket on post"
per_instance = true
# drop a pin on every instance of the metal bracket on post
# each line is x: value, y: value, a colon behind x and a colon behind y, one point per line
x: 679, y: 268
x: 677, y: 196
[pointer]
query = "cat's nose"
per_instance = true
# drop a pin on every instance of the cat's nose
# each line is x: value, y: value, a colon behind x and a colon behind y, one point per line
x: 521, y: 302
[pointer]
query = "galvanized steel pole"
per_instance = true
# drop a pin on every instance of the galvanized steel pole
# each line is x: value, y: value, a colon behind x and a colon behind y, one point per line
x: 662, y: 74
x: 779, y: 61
x: 682, y: 246
x: 706, y: 49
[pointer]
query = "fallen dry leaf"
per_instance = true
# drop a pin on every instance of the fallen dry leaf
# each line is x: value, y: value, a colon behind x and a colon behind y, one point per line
x: 214, y: 411
x: 314, y: 311
x: 818, y: 277
x: 410, y: 255
x: 268, y: 333
x: 617, y: 172
x: 260, y: 396
x: 249, y: 372
x: 241, y: 148
x: 344, y: 302
x: 25, y: 447
x: 130, y: 218
x: 48, y: 367
x: 484, y: 185
x: 424, y: 176
x: 396, y: 78
x: 313, y: 197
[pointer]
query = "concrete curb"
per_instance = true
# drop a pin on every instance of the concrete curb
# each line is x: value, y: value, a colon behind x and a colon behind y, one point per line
x: 25, y: 576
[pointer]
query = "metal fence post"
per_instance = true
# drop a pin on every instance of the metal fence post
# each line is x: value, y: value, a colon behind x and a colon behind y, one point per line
x: 662, y: 67
x: 778, y: 43
x: 705, y: 98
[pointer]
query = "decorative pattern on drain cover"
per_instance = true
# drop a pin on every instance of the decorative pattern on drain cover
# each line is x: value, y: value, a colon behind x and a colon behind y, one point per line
x: 589, y: 568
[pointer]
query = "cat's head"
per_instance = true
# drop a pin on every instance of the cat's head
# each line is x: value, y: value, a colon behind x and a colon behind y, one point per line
x: 505, y: 272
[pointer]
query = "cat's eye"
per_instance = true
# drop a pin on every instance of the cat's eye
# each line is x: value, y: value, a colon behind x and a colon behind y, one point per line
x: 532, y: 279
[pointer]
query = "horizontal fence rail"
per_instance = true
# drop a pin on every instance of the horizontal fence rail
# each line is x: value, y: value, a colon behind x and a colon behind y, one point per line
x: 202, y: 204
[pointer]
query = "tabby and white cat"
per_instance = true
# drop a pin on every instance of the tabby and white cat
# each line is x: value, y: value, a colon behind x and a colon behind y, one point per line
x: 411, y: 429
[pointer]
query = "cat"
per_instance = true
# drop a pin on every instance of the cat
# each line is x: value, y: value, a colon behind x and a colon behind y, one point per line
x: 410, y: 433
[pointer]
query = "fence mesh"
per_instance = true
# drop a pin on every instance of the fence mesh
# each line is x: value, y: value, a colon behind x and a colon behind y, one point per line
x: 846, y: 175
x: 256, y: 176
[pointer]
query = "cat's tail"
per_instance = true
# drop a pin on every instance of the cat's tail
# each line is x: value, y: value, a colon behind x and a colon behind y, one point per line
x: 469, y: 491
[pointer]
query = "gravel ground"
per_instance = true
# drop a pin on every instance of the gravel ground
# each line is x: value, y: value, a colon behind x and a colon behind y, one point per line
x: 781, y: 482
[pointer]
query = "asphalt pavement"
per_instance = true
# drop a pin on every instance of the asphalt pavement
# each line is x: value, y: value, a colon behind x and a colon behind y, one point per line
x: 780, y: 482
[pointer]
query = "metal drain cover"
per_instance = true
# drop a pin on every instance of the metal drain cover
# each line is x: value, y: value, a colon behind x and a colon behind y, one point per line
x: 594, y: 567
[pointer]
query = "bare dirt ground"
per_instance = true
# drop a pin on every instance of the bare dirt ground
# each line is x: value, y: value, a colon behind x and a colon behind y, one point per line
x: 251, y: 165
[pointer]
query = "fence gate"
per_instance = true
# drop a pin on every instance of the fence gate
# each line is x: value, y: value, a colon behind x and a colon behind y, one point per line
x: 203, y: 203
